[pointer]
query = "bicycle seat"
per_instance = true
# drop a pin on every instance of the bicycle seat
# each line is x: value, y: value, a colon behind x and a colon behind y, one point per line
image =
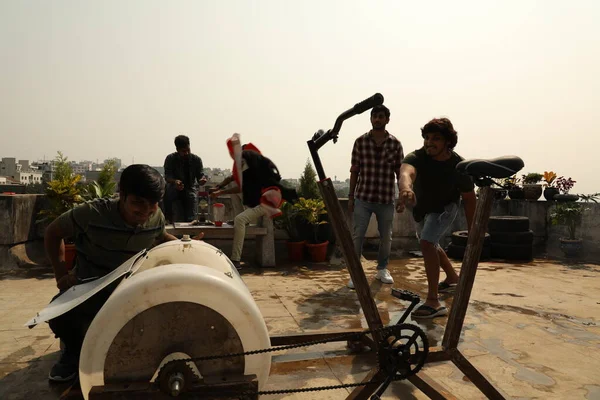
x: 501, y: 167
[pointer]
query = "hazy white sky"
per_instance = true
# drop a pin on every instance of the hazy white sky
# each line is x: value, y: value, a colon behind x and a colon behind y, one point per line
x: 122, y: 78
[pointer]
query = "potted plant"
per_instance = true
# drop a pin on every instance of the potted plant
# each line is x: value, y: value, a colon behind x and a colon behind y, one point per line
x: 531, y: 186
x: 549, y: 181
x: 63, y: 193
x: 564, y: 185
x: 569, y: 214
x: 105, y: 185
x: 311, y: 211
x: 288, y: 221
x: 499, y: 192
x: 515, y: 191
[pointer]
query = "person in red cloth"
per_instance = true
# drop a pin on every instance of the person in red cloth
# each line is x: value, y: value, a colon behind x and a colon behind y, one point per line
x: 259, y: 181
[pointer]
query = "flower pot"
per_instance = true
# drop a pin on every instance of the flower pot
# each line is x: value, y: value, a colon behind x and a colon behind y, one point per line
x: 532, y: 191
x: 318, y: 251
x: 550, y: 192
x: 69, y: 256
x: 500, y: 194
x: 566, y: 197
x: 516, y: 194
x: 296, y: 250
x: 571, y: 248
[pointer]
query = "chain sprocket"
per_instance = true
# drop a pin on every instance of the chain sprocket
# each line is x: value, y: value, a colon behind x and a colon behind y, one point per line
x: 171, y: 369
x: 387, y: 331
x: 401, y: 353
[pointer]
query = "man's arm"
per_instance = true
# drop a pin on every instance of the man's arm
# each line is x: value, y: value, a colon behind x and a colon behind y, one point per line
x: 469, y: 203
x: 170, y: 171
x: 200, y: 176
x: 225, y: 182
x: 354, y: 172
x: 408, y: 174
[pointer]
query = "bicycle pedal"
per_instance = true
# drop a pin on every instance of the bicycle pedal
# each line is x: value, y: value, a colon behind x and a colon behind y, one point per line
x: 406, y: 295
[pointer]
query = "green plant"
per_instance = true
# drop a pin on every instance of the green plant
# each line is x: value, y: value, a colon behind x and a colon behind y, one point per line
x: 589, y: 198
x: 105, y: 185
x: 62, y: 192
x: 512, y: 182
x: 308, y: 187
x: 532, y: 178
x: 287, y: 221
x: 312, y: 210
x: 568, y: 214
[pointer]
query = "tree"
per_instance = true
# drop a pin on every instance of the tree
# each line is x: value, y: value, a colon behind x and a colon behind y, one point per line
x: 308, y: 183
x: 105, y: 185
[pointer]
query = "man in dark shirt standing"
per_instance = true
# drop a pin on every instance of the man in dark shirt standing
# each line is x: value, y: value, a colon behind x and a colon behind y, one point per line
x: 376, y: 159
x: 182, y: 171
x: 438, y: 187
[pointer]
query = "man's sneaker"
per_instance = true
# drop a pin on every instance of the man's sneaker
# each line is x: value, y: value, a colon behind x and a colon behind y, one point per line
x: 384, y: 276
x: 65, y: 369
x: 350, y: 284
x: 237, y: 265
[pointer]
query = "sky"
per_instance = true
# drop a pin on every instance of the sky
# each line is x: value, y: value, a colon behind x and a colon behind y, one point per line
x: 123, y: 78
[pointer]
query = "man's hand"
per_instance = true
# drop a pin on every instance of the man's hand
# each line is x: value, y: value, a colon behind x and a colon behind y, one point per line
x: 66, y: 281
x: 199, y: 236
x: 400, y: 207
x: 178, y: 185
x: 216, y: 194
x: 407, y: 198
x: 203, y: 181
x: 350, y: 206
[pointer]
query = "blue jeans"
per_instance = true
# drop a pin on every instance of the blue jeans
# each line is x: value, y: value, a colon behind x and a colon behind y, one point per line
x: 434, y: 225
x: 385, y: 219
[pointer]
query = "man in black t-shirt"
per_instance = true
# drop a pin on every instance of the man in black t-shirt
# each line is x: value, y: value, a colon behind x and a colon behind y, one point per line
x: 434, y: 198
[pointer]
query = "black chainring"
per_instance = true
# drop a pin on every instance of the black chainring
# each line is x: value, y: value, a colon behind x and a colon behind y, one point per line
x: 403, y: 351
x: 173, y: 367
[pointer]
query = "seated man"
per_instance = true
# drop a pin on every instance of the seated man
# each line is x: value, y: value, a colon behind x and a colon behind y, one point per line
x: 106, y: 233
x: 258, y: 179
x: 183, y: 173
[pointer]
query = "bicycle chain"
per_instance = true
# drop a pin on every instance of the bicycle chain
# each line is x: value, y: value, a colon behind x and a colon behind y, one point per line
x: 345, y: 336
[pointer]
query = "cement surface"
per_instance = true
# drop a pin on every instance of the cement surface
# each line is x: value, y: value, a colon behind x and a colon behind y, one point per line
x: 532, y: 329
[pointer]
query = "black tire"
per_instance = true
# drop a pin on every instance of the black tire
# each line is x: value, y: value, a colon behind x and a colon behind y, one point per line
x: 514, y: 238
x: 514, y: 252
x: 458, y: 252
x: 460, y: 238
x: 508, y: 223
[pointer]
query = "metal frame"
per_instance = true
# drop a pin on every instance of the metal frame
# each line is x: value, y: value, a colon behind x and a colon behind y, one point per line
x: 449, y: 350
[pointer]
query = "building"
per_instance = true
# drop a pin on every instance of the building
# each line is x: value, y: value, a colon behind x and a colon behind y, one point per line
x: 21, y: 171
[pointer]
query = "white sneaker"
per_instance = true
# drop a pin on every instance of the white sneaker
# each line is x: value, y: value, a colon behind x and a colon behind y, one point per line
x: 384, y: 276
x: 350, y: 284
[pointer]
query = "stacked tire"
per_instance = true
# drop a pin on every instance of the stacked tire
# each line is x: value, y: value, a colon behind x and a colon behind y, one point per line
x: 458, y: 246
x: 511, y: 238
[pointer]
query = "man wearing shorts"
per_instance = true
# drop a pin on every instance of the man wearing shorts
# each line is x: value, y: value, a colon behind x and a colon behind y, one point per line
x: 435, y: 197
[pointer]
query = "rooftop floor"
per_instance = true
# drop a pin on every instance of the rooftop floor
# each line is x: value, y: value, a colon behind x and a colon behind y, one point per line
x: 533, y: 329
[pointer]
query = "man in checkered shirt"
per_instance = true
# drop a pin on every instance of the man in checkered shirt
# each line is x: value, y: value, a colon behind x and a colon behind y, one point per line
x: 376, y: 159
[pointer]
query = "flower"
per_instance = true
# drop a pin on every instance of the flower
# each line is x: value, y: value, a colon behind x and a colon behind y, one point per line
x: 549, y: 177
x: 564, y: 185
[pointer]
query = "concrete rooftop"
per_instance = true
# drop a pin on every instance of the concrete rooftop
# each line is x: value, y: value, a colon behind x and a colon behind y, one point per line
x: 533, y: 329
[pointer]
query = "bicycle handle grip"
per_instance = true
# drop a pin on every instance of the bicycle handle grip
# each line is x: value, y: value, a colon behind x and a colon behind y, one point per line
x: 375, y: 100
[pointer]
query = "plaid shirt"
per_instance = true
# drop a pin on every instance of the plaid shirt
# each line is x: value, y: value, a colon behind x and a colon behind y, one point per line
x: 377, y: 167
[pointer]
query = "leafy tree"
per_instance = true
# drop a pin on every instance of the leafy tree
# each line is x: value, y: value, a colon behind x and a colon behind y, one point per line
x: 308, y: 183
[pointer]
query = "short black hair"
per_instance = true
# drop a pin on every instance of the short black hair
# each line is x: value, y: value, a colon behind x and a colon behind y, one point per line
x: 182, y: 142
x: 380, y: 108
x: 143, y: 181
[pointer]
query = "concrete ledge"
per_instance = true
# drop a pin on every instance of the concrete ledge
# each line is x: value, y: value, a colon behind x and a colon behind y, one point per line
x: 18, y: 214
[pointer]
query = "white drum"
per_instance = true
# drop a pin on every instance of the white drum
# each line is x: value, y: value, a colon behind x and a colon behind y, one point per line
x: 183, y: 297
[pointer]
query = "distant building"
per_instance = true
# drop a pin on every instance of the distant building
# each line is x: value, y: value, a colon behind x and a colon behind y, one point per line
x: 21, y: 172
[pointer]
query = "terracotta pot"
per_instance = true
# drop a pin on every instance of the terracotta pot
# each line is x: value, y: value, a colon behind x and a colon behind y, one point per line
x: 296, y: 250
x: 532, y: 191
x: 318, y: 251
x: 69, y: 256
x: 550, y: 192
x: 571, y: 248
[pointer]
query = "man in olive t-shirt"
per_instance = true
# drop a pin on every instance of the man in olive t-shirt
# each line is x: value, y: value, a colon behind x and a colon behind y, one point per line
x: 435, y: 196
x: 106, y: 234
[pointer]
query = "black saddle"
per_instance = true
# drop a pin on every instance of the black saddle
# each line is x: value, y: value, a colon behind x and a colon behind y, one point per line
x: 501, y: 167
